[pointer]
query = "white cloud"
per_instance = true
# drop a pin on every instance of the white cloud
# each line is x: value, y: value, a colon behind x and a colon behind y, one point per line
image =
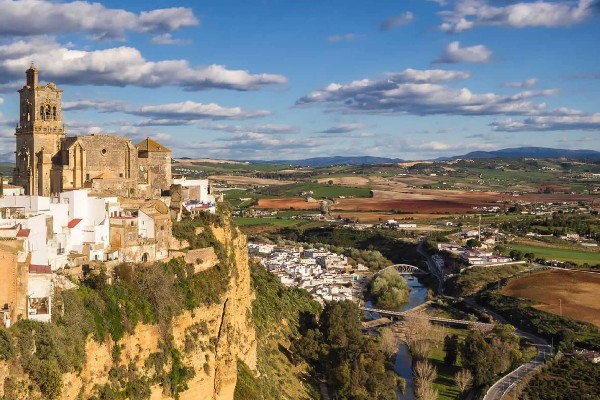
x: 560, y: 122
x: 344, y: 37
x: 345, y: 128
x: 266, y: 128
x: 167, y: 38
x: 400, y: 20
x: 120, y: 66
x: 526, y: 84
x: 36, y: 17
x: 454, y: 54
x: 192, y: 111
x: 468, y: 14
x: 413, y: 93
x: 172, y: 114
x: 99, y: 105
x: 429, y: 75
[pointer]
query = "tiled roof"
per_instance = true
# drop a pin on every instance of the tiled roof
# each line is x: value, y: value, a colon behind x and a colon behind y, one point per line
x: 73, y: 223
x: 39, y: 269
x: 23, y: 232
x: 151, y: 145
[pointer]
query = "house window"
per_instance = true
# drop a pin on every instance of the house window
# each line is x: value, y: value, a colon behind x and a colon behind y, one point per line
x: 87, y: 177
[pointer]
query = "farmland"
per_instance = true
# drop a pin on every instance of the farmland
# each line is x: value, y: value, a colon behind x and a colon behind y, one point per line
x: 577, y: 256
x: 576, y: 292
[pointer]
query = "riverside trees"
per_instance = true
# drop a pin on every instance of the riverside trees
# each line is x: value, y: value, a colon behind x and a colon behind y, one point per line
x: 389, y: 289
x: 355, y: 365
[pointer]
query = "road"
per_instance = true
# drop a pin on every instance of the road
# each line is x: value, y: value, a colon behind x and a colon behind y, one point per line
x: 508, y: 381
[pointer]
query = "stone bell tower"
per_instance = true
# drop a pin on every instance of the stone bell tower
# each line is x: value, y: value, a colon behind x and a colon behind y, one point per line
x: 39, y: 135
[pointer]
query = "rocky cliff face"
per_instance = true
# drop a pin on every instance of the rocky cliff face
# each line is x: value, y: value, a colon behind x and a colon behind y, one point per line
x: 210, y: 339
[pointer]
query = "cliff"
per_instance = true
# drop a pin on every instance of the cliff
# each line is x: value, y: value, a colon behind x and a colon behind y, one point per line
x: 197, y: 351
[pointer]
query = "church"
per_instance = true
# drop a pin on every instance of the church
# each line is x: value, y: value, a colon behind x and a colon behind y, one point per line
x: 49, y: 162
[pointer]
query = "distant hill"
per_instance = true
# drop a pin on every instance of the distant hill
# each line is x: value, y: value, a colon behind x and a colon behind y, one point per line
x: 338, y: 160
x: 530, y: 152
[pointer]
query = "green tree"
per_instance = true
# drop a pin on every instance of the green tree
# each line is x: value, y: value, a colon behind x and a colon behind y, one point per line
x: 451, y: 348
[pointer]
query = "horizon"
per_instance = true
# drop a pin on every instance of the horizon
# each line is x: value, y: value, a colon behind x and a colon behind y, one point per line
x: 419, y: 80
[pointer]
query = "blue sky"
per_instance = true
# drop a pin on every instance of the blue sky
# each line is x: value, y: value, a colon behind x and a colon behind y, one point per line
x: 266, y: 79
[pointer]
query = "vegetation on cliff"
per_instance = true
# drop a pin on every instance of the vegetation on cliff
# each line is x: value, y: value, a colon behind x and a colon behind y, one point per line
x: 276, y: 314
x: 110, y: 306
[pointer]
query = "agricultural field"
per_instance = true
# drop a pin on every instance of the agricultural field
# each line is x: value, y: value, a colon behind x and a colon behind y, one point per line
x: 575, y: 256
x: 576, y: 291
x: 319, y: 190
x: 278, y: 222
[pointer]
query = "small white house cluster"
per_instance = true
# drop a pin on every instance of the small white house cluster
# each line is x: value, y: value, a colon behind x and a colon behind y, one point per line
x: 324, y: 274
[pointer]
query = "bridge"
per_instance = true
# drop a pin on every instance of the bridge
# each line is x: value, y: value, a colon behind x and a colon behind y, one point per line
x: 438, y: 320
x: 405, y: 269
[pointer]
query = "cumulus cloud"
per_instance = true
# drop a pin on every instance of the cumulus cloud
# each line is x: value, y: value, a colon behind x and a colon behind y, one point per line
x: 167, y: 38
x: 468, y: 14
x: 120, y: 66
x: 345, y: 37
x: 454, y: 54
x: 558, y: 122
x: 266, y: 128
x: 526, y: 84
x: 36, y: 17
x: 345, y: 128
x: 189, y: 111
x: 420, y: 94
x: 171, y: 114
x: 400, y: 20
x: 98, y: 105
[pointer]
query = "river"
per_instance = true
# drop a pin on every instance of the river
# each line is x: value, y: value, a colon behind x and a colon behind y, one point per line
x: 403, y: 364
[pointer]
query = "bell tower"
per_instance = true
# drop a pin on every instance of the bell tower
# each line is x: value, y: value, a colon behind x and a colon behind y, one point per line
x: 39, y: 134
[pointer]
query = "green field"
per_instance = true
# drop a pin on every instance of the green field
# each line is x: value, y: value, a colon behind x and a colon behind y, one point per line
x: 249, y: 221
x: 550, y: 253
x: 319, y: 190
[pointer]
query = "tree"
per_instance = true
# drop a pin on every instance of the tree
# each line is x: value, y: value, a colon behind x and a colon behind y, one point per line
x: 424, y: 374
x: 451, y: 349
x: 389, y: 342
x: 472, y: 243
x: 463, y: 379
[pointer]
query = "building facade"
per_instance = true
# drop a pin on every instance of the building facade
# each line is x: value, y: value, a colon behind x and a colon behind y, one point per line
x: 49, y: 162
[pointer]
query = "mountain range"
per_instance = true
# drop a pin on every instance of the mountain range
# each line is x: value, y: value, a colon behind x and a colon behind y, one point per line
x: 516, y: 152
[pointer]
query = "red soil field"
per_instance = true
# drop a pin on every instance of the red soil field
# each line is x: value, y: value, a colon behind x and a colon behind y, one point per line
x: 578, y: 292
x: 418, y: 206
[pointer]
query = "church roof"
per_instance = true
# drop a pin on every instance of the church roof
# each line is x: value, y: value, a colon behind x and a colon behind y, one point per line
x: 105, y: 175
x: 152, y: 145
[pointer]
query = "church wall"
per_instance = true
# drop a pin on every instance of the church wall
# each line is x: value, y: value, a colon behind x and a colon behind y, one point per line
x: 155, y: 169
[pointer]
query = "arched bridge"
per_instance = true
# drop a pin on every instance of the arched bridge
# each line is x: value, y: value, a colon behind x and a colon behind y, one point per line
x: 406, y: 269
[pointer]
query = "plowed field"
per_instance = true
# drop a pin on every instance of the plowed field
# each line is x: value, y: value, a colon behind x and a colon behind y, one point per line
x: 578, y: 292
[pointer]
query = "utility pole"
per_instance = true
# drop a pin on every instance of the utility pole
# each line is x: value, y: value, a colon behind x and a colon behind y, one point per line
x: 560, y: 306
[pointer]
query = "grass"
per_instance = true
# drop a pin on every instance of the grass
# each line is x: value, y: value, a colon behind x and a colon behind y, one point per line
x: 319, y: 190
x: 249, y: 221
x: 579, y: 257
x: 444, y: 383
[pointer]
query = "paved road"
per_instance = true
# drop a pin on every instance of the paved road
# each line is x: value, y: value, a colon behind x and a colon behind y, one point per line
x: 504, y: 384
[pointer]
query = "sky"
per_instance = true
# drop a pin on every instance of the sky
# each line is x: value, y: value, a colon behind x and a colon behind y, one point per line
x: 293, y: 79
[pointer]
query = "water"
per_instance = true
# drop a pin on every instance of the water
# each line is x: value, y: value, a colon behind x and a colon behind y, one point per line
x: 403, y: 364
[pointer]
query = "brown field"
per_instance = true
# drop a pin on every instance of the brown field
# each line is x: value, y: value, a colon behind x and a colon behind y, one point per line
x: 348, y: 180
x: 248, y: 180
x: 578, y: 292
x: 410, y: 206
x: 287, y: 203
